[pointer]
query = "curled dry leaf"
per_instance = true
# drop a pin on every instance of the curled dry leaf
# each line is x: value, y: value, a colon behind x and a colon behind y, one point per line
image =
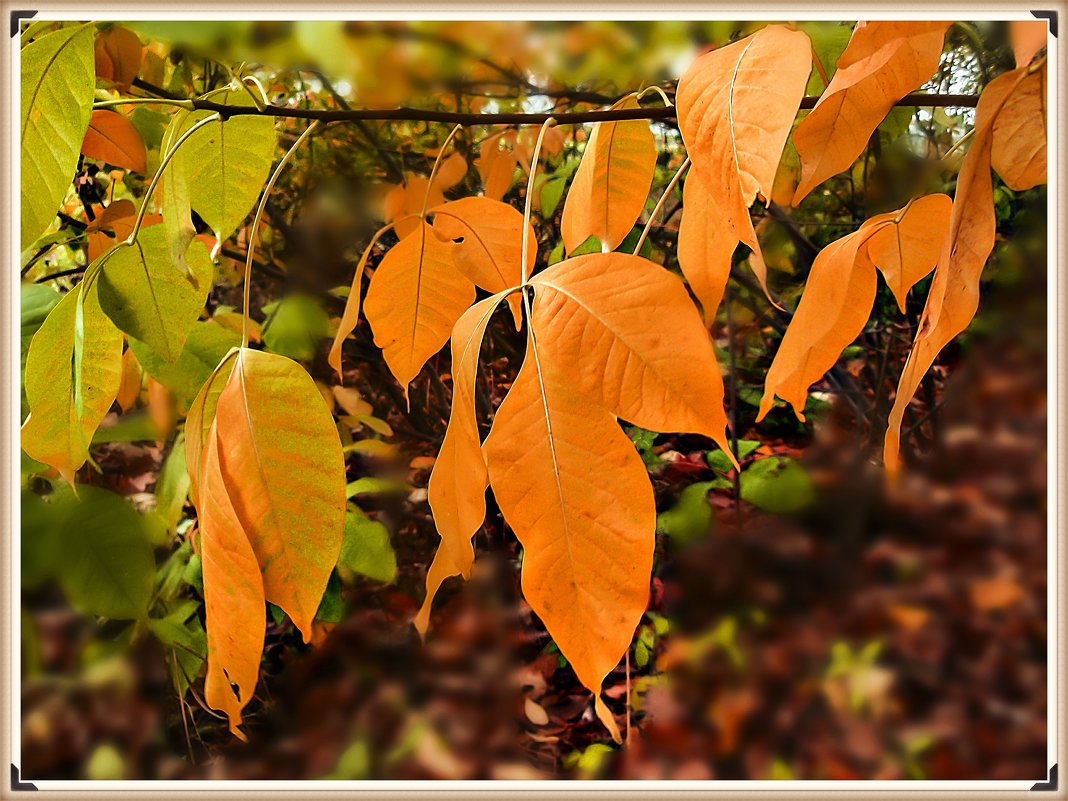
x: 882, y: 63
x: 736, y: 105
x: 954, y: 295
x: 612, y: 183
x: 112, y: 138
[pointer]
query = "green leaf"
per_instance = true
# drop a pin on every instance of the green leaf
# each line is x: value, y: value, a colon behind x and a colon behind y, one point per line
x: 551, y: 192
x: 73, y: 370
x: 366, y: 549
x: 691, y: 516
x: 142, y: 292
x: 106, y: 567
x: 294, y: 327
x: 332, y: 606
x: 58, y: 80
x: 129, y: 428
x: 40, y: 552
x: 720, y: 462
x: 224, y: 164
x: 370, y: 485
x: 778, y: 485
x: 105, y: 764
x: 184, y: 634
x: 37, y: 301
x: 205, y: 346
x: 172, y: 486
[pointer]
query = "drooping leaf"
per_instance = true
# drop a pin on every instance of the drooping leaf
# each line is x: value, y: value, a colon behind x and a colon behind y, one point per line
x: 415, y: 297
x: 147, y: 298
x: 457, y: 485
x: 199, y: 419
x: 36, y: 301
x: 207, y: 344
x: 117, y: 56
x: 490, y: 253
x: 497, y: 165
x: 106, y: 567
x: 705, y: 247
x: 631, y: 338
x: 112, y: 138
x: 833, y: 310
x: 1018, y: 149
x: 954, y: 295
x: 73, y: 369
x: 1028, y: 36
x: 574, y: 490
x: 280, y: 458
x: 57, y: 99
x: 233, y: 594
x: 130, y: 383
x: 736, y: 106
x: 884, y: 61
x: 612, y: 183
x: 175, y: 200
x: 905, y: 244
x: 350, y: 317
x: 224, y: 165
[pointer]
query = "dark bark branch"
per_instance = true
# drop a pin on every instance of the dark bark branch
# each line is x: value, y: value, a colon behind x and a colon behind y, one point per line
x: 515, y: 118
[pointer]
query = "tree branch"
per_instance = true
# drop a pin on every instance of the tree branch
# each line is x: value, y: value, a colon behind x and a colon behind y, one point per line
x: 516, y: 118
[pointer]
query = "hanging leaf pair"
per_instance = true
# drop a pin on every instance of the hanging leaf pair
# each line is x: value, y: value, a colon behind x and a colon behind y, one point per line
x: 838, y: 297
x: 267, y: 477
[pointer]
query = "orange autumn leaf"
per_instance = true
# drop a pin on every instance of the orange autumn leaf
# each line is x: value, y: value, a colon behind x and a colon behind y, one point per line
x: 736, y: 106
x: 405, y: 202
x: 451, y: 172
x: 882, y: 63
x: 490, y: 253
x: 905, y: 244
x: 1018, y: 147
x: 1028, y: 37
x: 162, y: 411
x: 705, y: 247
x: 118, y: 54
x: 130, y: 382
x: 234, y: 614
x: 833, y: 309
x: 415, y: 297
x: 954, y: 295
x: 114, y: 225
x: 593, y: 313
x: 497, y: 165
x: 573, y: 488
x: 840, y: 291
x: 612, y: 182
x: 457, y: 486
x: 113, y: 139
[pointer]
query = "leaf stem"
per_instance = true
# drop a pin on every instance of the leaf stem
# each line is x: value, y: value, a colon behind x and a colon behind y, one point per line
x: 144, y: 101
x: 660, y: 204
x: 256, y: 224
x: 549, y: 123
x: 434, y: 170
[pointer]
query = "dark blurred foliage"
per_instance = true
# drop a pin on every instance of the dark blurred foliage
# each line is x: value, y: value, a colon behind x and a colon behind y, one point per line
x: 824, y: 625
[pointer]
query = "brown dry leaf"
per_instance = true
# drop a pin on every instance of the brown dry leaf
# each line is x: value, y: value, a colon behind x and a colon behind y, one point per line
x: 118, y: 53
x: 996, y: 593
x: 490, y: 253
x: 458, y: 482
x: 612, y: 183
x: 571, y: 485
x: 736, y: 106
x: 882, y: 63
x: 351, y: 401
x: 1028, y: 36
x: 910, y: 618
x: 415, y: 298
x: 535, y: 712
x: 1018, y: 151
x: 954, y: 295
x: 113, y: 139
x: 706, y: 246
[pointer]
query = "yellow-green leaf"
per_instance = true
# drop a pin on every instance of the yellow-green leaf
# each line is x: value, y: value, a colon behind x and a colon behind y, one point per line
x: 57, y: 86
x: 73, y: 370
x: 147, y: 298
